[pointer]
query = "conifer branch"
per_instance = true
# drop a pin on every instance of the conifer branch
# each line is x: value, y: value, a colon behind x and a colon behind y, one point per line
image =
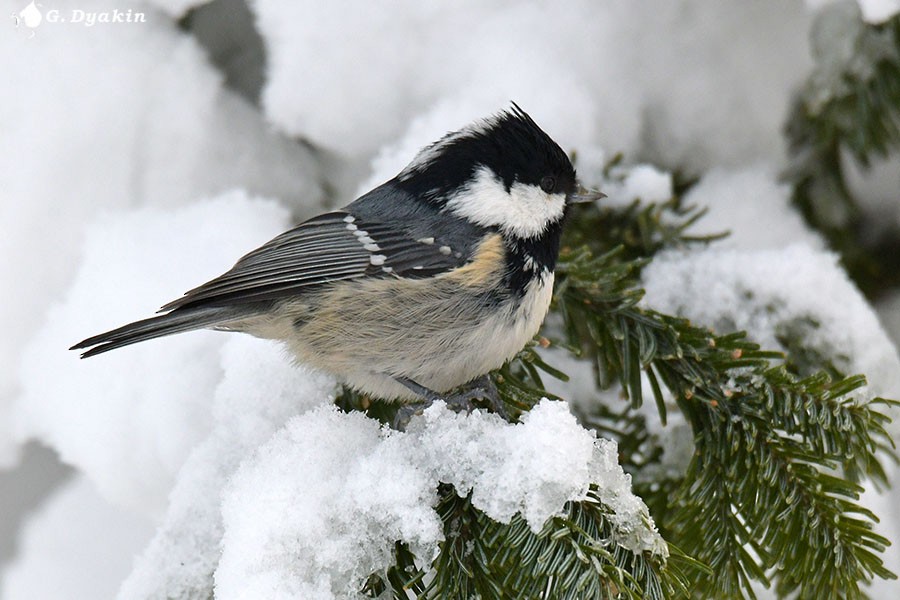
x: 855, y: 109
x: 760, y: 492
x: 575, y: 556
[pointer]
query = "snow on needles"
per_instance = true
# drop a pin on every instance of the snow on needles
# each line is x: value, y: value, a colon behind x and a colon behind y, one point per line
x: 782, y: 297
x: 319, y: 507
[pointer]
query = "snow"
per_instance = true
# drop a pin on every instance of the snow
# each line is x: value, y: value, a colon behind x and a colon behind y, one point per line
x: 75, y: 546
x: 319, y: 507
x: 106, y: 118
x: 752, y: 206
x: 875, y: 189
x: 873, y: 11
x: 675, y: 438
x: 794, y: 293
x: 636, y: 182
x: 648, y: 183
x: 129, y: 419
x: 392, y: 41
x: 884, y: 504
x: 259, y: 391
x: 616, y: 75
x: 531, y: 468
x: 889, y: 311
x: 879, y: 11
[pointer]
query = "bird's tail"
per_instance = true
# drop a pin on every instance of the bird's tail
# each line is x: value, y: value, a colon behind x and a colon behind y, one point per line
x: 176, y: 321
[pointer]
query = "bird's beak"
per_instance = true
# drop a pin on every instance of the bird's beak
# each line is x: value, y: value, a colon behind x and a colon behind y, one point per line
x: 583, y: 195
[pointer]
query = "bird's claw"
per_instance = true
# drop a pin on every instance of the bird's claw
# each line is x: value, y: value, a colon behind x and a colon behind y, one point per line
x: 406, y: 412
x: 482, y: 388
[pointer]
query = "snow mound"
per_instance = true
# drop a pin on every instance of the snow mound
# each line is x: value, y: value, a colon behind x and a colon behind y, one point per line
x: 108, y: 118
x: 319, y: 506
x: 640, y: 182
x: 752, y: 206
x: 645, y: 79
x: 259, y: 391
x: 129, y: 418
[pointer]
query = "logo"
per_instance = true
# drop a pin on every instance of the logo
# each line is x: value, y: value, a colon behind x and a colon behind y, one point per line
x: 30, y: 17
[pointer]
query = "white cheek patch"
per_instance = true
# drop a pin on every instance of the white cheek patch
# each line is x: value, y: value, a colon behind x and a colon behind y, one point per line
x: 524, y: 211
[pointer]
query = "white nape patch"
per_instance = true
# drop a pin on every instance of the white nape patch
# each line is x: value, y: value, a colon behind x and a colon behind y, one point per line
x: 525, y: 211
x: 377, y: 259
x: 351, y: 227
x: 429, y: 153
x: 428, y: 240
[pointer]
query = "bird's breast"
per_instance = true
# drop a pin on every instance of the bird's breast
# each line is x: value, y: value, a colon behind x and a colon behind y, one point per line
x: 440, y: 332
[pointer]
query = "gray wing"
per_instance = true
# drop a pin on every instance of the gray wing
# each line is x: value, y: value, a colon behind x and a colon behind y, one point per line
x: 330, y: 247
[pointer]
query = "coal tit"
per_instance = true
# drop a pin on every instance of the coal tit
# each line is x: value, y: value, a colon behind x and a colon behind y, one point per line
x: 423, y: 284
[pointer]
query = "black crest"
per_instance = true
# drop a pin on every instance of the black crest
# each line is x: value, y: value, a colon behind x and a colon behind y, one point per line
x: 510, y: 144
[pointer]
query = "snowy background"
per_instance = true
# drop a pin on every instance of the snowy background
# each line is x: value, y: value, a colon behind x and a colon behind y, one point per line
x: 139, y: 159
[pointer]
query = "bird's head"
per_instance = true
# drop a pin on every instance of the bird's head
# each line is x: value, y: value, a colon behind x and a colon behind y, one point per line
x: 503, y: 172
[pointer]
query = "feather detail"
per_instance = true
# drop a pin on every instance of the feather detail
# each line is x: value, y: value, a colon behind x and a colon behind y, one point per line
x: 325, y: 249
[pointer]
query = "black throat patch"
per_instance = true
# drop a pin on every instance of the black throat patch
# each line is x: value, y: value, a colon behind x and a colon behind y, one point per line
x: 531, y: 258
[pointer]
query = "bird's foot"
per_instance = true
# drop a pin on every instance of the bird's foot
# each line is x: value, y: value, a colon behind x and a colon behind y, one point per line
x: 482, y: 388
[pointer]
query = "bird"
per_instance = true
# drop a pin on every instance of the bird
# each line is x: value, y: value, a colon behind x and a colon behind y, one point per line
x: 424, y: 284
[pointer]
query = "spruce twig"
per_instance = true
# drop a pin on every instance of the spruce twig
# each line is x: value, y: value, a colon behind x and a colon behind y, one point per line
x: 760, y: 492
x: 851, y: 107
x: 575, y: 556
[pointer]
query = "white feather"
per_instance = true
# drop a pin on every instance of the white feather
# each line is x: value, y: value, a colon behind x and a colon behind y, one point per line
x: 524, y: 211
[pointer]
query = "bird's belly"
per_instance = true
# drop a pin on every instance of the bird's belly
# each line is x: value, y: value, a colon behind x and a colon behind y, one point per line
x: 437, y: 333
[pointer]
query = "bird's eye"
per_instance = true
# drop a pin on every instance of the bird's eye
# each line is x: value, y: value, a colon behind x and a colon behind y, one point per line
x: 548, y: 183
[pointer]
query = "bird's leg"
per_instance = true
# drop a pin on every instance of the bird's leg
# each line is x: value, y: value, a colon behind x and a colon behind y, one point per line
x: 408, y: 411
x: 429, y: 395
x: 482, y: 388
